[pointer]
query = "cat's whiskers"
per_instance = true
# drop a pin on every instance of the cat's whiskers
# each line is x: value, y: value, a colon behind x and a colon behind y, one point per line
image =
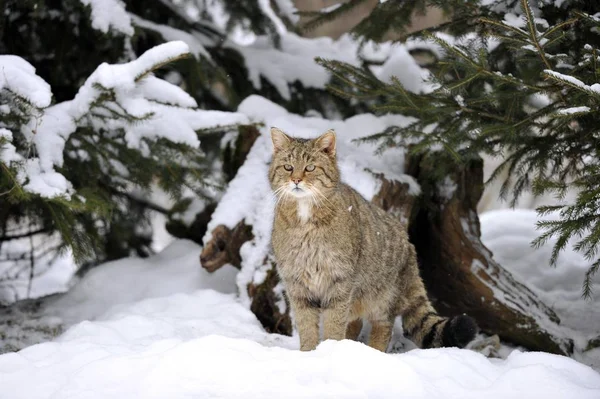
x: 320, y: 194
x: 319, y: 198
x: 280, y: 194
x: 313, y: 199
x: 322, y: 198
x: 275, y: 194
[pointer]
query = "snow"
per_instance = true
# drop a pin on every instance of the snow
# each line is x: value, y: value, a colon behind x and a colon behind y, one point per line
x: 573, y: 110
x: 515, y: 21
x: 330, y: 8
x: 156, y: 328
x: 288, y: 8
x: 171, y: 113
x: 8, y: 153
x: 18, y: 76
x: 539, y: 100
x: 195, y: 43
x: 108, y: 15
x: 401, y: 65
x: 594, y: 88
x: 509, y: 233
x: 174, y: 270
x: 265, y: 7
x: 294, y: 61
x: 45, y: 183
x: 205, y: 344
x: 447, y: 188
x: 491, y: 200
x: 52, y: 272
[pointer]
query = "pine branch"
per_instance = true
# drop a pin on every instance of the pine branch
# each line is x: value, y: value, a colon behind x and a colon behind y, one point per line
x: 504, y: 27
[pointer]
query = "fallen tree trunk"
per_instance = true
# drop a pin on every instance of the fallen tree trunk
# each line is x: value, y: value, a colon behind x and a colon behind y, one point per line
x: 459, y: 272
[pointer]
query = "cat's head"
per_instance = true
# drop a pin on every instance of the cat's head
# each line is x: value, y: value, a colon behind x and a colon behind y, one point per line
x: 303, y: 168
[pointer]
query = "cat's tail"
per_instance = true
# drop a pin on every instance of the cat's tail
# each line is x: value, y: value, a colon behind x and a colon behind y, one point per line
x: 429, y: 330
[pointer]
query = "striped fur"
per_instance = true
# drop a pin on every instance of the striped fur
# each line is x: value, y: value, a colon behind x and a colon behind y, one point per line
x: 345, y: 259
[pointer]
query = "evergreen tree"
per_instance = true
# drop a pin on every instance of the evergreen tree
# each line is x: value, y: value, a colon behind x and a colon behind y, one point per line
x: 80, y: 153
x: 76, y: 175
x: 519, y: 79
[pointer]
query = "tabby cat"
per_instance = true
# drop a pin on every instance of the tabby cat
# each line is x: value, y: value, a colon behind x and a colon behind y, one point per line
x: 340, y: 256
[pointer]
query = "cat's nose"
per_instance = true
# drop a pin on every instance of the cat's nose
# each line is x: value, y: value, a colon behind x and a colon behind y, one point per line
x: 297, y: 180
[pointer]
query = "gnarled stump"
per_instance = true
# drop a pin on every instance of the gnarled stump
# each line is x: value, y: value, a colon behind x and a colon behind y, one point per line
x: 460, y: 273
x: 397, y: 199
x: 224, y: 247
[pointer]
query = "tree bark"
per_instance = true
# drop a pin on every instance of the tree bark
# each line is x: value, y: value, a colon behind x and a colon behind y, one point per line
x: 264, y: 298
x: 224, y: 246
x: 460, y: 273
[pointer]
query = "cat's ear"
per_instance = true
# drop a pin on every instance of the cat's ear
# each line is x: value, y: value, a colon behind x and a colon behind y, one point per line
x: 326, y: 142
x: 281, y: 141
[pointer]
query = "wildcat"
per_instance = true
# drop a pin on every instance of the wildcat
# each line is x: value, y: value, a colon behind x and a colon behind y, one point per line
x: 340, y: 256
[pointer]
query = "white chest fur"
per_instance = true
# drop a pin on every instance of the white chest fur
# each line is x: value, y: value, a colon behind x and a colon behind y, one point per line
x: 304, y: 210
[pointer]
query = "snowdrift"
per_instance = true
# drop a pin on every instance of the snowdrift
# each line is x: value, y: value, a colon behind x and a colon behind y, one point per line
x: 207, y: 345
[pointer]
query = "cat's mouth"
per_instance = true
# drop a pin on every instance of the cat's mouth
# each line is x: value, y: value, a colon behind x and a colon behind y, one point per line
x: 299, y: 192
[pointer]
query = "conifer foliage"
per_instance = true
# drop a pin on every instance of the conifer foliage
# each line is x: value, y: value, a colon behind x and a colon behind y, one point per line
x: 103, y: 102
x: 76, y: 174
x: 519, y: 79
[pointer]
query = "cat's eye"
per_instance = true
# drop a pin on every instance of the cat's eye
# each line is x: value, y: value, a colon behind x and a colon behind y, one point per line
x: 287, y: 167
x: 310, y: 168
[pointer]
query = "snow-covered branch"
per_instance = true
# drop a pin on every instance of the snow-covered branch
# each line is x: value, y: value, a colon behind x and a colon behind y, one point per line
x: 122, y: 97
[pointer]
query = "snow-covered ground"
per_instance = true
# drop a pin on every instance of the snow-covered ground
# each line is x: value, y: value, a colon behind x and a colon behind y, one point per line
x: 164, y: 328
x: 174, y: 270
x: 206, y: 344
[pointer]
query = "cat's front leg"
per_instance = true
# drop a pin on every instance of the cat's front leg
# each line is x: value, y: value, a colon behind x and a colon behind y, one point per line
x: 335, y: 319
x: 307, y: 322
